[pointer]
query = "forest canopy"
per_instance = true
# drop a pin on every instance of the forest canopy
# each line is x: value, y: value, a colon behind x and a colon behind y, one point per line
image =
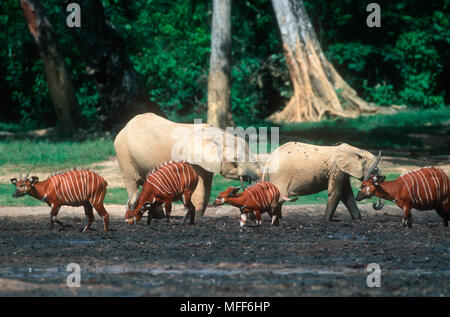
x: 405, y: 62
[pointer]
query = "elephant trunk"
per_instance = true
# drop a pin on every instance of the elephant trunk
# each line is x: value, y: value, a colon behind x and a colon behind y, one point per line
x: 379, y: 205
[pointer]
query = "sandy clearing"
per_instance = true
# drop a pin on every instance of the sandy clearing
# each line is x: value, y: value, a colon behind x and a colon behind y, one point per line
x: 110, y: 170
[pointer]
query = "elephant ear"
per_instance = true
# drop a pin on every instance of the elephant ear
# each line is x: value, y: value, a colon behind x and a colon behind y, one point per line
x: 205, y: 150
x: 349, y: 160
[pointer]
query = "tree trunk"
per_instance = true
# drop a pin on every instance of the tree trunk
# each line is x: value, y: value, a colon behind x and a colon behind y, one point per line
x: 122, y: 95
x: 318, y: 89
x: 219, y: 106
x: 56, y: 73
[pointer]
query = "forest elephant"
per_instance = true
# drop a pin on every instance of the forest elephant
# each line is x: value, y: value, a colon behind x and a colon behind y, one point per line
x: 147, y: 140
x: 300, y: 169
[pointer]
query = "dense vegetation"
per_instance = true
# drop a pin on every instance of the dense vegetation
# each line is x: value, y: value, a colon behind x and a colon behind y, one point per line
x: 403, y: 62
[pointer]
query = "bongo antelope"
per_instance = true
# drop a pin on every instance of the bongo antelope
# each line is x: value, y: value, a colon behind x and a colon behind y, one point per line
x: 169, y: 182
x: 258, y: 198
x: 423, y: 189
x: 76, y: 187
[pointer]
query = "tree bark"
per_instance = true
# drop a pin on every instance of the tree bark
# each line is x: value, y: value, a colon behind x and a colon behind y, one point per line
x: 57, y: 75
x: 219, y: 105
x: 122, y: 94
x: 318, y: 89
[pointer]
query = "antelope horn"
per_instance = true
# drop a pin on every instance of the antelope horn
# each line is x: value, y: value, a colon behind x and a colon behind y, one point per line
x: 134, y: 204
x: 128, y: 202
x: 379, y: 205
x: 372, y: 168
x: 26, y: 177
x: 20, y: 174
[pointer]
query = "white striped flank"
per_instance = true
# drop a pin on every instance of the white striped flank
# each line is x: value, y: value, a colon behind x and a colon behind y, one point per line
x: 173, y: 178
x: 427, y: 187
x: 77, y: 187
x: 265, y: 194
x: 55, y: 188
x: 410, y: 196
x: 79, y: 196
x: 424, y: 179
x: 436, y: 182
x: 256, y: 201
x: 63, y: 190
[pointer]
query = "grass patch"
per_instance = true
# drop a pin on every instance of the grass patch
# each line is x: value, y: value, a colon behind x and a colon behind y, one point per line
x: 116, y: 196
x: 45, y: 153
x: 376, y: 131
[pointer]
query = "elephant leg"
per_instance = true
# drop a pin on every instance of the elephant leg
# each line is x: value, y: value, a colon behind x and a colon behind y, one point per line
x: 349, y: 199
x: 335, y: 190
x: 200, y: 197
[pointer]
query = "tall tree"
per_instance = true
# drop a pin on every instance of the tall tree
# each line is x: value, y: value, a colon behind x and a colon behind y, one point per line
x: 219, y: 105
x: 57, y: 74
x: 122, y: 94
x: 318, y: 88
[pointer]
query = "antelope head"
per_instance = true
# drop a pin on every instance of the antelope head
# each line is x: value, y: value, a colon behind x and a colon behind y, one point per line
x: 23, y: 184
x: 222, y: 198
x: 370, y: 183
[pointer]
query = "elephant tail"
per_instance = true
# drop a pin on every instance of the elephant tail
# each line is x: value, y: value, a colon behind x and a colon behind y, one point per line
x: 285, y: 198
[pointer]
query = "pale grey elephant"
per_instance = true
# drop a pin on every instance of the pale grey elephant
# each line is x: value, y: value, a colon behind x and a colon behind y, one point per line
x: 148, y: 140
x: 300, y: 169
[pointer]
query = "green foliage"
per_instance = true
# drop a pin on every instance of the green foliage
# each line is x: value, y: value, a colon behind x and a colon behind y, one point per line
x: 403, y: 62
x: 376, y: 131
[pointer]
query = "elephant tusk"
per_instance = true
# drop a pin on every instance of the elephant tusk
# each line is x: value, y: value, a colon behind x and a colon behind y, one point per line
x: 379, y: 205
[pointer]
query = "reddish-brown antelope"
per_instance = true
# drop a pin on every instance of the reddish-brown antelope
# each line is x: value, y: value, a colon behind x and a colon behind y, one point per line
x: 76, y: 187
x: 169, y: 182
x: 423, y: 189
x: 258, y: 198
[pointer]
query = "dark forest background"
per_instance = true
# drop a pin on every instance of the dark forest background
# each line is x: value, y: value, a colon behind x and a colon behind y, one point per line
x: 405, y: 62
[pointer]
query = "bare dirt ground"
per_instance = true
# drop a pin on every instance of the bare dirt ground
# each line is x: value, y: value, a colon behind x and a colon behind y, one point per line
x: 215, y: 257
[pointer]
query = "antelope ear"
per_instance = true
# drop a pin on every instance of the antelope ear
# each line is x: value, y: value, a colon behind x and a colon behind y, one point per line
x: 34, y: 180
x: 377, y: 179
x: 146, y: 205
x: 234, y: 191
x: 13, y: 180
